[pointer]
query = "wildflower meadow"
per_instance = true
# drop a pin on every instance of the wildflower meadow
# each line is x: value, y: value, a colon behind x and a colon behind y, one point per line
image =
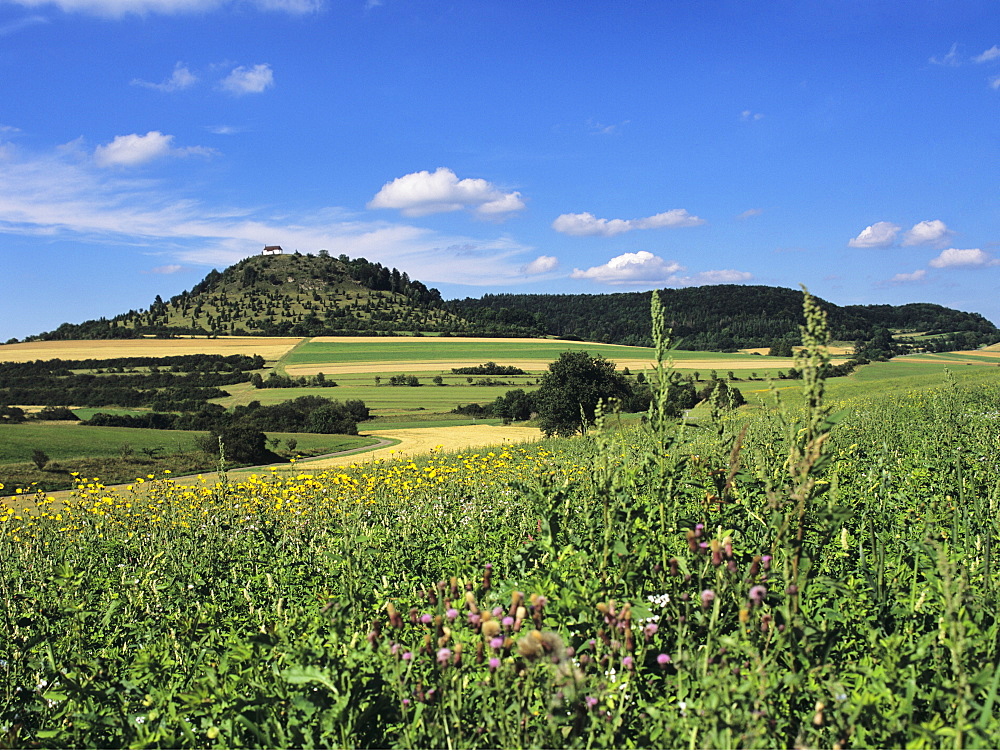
x: 806, y: 574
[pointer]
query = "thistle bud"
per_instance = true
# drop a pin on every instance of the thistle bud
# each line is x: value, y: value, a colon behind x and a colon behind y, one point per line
x: 470, y: 600
x: 454, y: 586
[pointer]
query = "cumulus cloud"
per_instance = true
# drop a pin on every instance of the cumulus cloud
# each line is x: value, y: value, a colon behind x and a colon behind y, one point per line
x: 878, y: 235
x: 963, y: 257
x: 422, y: 193
x: 642, y: 267
x: 121, y: 8
x: 133, y: 150
x: 541, y: 265
x: 586, y: 224
x: 181, y: 78
x: 926, y: 233
x: 916, y: 276
x: 253, y: 80
x: 991, y: 54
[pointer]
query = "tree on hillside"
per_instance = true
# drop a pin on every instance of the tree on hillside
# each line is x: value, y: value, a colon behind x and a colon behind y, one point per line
x: 567, y: 400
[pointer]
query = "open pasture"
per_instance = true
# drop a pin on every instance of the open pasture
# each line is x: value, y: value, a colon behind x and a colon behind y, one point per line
x: 270, y: 348
x: 333, y: 356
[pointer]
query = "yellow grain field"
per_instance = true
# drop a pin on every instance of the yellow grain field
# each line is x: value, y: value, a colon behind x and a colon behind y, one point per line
x: 270, y: 348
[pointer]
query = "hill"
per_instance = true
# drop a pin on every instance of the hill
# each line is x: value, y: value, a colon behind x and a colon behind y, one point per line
x: 318, y: 295
x: 283, y: 295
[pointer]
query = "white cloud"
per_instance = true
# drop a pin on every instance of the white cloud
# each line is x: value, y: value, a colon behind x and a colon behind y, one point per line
x: 121, y: 8
x: 721, y: 276
x: 642, y: 267
x: 422, y: 193
x: 950, y: 59
x: 540, y: 265
x: 750, y: 116
x: 995, y: 82
x: 180, y: 79
x: 170, y: 268
x: 991, y: 54
x: 63, y: 194
x: 916, y: 276
x: 963, y: 257
x: 645, y: 269
x: 249, y: 80
x: 926, y: 233
x: 749, y: 213
x: 878, y: 235
x: 586, y: 224
x: 133, y: 150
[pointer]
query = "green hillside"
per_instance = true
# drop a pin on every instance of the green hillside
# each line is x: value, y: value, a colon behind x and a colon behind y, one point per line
x: 284, y: 295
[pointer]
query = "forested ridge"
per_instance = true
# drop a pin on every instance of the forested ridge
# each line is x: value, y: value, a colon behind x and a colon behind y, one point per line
x: 319, y: 295
x: 720, y: 317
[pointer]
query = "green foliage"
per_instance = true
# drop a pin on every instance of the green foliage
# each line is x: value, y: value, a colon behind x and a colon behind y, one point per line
x: 572, y: 389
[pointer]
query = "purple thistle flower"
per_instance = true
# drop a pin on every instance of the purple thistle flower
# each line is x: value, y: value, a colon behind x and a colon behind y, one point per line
x: 591, y: 701
x: 444, y: 655
x: 426, y: 619
x: 407, y: 656
x: 650, y: 629
x: 494, y: 663
x: 627, y: 662
x: 452, y: 614
x: 496, y: 642
x: 707, y: 596
x: 497, y: 611
x: 757, y: 593
x: 507, y: 621
x: 475, y: 619
x: 662, y: 659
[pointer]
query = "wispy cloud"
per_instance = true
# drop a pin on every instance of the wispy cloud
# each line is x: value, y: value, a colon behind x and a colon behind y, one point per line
x: 19, y: 24
x: 63, y: 194
x: 987, y: 55
x: 586, y: 224
x: 253, y: 80
x: 750, y: 116
x: 180, y: 79
x: 121, y: 8
x: 750, y: 213
x: 422, y: 193
x: 949, y: 59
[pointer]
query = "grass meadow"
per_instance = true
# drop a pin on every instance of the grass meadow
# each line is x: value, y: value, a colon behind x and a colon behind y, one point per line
x: 819, y: 573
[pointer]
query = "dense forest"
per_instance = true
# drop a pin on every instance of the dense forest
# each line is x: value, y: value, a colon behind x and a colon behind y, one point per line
x: 319, y: 295
x: 720, y: 318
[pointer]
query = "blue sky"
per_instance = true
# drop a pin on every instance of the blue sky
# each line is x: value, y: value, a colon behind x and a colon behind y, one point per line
x: 500, y: 146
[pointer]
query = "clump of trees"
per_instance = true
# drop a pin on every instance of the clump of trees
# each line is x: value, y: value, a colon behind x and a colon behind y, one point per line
x: 489, y: 369
x: 306, y: 414
x: 566, y: 402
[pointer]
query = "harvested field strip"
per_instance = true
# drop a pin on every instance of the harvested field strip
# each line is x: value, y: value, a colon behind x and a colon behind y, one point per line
x: 270, y: 348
